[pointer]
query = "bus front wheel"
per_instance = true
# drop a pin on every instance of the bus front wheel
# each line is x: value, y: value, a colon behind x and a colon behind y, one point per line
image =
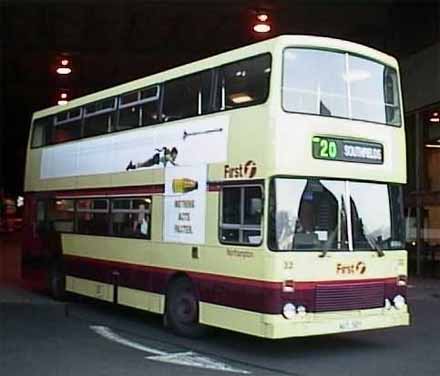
x: 182, y: 309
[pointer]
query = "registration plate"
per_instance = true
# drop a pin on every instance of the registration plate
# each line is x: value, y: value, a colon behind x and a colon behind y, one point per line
x: 350, y: 324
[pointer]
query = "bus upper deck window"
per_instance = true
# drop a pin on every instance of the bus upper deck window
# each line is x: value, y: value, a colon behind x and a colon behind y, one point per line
x: 243, y: 83
x: 139, y: 108
x: 67, y: 126
x: 187, y: 96
x: 41, y: 131
x: 99, y: 117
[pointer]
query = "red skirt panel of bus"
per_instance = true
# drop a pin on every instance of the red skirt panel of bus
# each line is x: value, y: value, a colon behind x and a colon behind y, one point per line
x: 241, y: 293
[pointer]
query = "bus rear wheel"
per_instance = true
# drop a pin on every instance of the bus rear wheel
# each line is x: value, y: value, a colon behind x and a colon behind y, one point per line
x: 182, y: 309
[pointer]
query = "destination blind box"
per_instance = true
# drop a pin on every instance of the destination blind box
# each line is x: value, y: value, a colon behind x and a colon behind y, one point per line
x: 344, y: 150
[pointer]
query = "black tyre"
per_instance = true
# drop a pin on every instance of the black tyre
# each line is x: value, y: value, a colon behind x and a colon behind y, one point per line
x: 182, y: 309
x: 57, y: 281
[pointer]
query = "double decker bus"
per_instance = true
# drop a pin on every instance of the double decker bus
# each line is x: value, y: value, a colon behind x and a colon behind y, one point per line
x: 258, y: 191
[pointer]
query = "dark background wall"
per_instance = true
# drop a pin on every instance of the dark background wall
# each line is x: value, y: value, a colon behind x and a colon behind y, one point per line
x: 111, y: 42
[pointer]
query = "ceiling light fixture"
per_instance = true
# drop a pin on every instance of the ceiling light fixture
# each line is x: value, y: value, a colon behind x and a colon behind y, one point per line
x: 64, y: 66
x: 435, y: 118
x: 262, y: 25
x: 63, y: 97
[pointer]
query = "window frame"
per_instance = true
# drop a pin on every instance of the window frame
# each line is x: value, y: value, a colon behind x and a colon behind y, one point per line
x: 212, y: 83
x: 50, y: 221
x: 69, y: 119
x: 110, y: 111
x: 212, y: 106
x: 217, y: 84
x: 109, y: 212
x: 138, y: 92
x: 138, y: 103
x: 350, y: 53
x: 241, y: 227
x: 130, y: 211
x: 100, y: 112
x: 47, y: 129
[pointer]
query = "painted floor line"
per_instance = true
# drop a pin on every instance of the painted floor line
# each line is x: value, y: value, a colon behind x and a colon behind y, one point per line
x: 189, y: 358
x: 193, y: 359
x: 105, y: 332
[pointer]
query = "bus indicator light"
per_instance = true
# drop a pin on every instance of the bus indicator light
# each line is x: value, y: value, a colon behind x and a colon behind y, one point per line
x: 388, y: 304
x: 301, y: 310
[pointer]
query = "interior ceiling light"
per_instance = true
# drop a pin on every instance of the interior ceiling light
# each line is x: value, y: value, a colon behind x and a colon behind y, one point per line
x: 240, y: 98
x: 262, y: 25
x: 435, y: 118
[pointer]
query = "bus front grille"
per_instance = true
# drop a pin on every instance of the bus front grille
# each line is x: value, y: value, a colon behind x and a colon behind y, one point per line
x: 340, y: 297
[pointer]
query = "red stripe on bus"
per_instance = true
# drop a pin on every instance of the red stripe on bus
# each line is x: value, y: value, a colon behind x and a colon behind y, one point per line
x: 248, y: 294
x: 126, y: 191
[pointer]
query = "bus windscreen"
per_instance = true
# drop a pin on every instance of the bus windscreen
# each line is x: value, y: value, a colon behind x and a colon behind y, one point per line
x: 313, y: 214
x: 336, y: 84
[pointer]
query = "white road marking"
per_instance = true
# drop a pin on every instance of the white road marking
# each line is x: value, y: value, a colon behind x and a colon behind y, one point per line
x: 107, y: 333
x: 190, y: 358
x: 193, y: 359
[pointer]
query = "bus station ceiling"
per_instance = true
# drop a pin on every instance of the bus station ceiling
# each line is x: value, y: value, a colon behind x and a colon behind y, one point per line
x: 111, y: 42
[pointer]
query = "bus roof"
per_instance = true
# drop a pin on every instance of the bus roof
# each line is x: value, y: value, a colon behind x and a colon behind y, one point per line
x: 270, y: 45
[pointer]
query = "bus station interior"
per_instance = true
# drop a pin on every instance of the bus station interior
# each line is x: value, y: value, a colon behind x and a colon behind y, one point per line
x: 122, y: 41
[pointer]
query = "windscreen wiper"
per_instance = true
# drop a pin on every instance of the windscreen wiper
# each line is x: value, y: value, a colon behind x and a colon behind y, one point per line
x: 376, y: 246
x: 327, y: 244
x: 324, y: 251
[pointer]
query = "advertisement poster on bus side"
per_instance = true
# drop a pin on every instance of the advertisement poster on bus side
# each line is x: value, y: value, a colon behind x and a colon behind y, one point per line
x: 185, y: 204
x: 188, y: 143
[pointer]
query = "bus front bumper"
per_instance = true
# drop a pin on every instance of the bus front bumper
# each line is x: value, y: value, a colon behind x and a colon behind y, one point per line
x: 334, y: 322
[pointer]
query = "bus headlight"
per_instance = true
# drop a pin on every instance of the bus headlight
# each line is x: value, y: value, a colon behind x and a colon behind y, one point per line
x: 289, y: 311
x: 301, y: 310
x: 399, y: 301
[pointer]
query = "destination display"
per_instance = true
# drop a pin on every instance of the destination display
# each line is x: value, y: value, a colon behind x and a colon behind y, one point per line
x: 338, y: 149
